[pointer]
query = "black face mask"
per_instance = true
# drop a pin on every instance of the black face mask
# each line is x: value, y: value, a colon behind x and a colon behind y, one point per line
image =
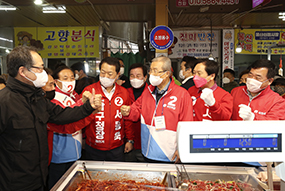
x: 242, y: 84
x: 50, y: 94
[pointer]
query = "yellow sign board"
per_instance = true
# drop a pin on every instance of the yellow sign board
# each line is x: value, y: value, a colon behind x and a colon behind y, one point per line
x: 60, y: 42
x: 257, y: 41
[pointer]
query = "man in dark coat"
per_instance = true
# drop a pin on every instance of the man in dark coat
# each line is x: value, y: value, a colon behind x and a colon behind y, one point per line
x: 187, y: 66
x: 81, y: 77
x: 123, y: 79
x: 24, y: 112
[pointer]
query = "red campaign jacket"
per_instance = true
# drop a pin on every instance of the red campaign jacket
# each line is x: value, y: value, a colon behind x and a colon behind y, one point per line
x: 220, y: 111
x: 268, y: 105
x: 137, y: 124
x: 177, y: 106
x: 108, y: 129
x: 67, y: 128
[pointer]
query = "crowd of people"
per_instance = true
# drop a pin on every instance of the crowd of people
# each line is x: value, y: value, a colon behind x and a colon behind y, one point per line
x: 48, y: 118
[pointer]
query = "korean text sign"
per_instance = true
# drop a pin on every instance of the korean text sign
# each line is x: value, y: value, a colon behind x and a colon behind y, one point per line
x: 257, y: 41
x: 195, y: 43
x: 60, y: 42
x: 228, y: 49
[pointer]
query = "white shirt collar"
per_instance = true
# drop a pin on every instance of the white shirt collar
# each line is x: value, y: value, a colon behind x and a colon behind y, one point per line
x: 184, y: 81
x: 107, y: 94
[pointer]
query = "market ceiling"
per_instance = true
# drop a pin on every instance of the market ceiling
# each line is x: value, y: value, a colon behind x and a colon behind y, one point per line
x: 96, y: 12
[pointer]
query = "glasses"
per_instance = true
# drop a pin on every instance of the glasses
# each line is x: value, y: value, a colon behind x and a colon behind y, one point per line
x: 155, y: 71
x: 40, y: 68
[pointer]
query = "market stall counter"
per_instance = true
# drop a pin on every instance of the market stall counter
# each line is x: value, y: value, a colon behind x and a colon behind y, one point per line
x: 156, y: 176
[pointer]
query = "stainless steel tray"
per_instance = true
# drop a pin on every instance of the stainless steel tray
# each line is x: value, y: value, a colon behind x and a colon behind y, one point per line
x: 246, y: 178
x: 155, y: 171
x: 122, y: 175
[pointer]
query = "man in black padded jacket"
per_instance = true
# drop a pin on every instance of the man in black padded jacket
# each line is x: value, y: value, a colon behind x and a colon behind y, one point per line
x: 24, y: 112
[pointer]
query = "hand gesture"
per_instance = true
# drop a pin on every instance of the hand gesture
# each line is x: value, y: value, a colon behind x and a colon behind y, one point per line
x: 125, y: 110
x: 176, y: 157
x: 208, y: 96
x: 86, y: 96
x: 128, y: 147
x: 245, y: 113
x: 95, y: 100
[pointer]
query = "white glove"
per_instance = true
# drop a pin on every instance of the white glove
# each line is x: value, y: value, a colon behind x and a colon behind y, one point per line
x: 208, y: 96
x: 245, y: 113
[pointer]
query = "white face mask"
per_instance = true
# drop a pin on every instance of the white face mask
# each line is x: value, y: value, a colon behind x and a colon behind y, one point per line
x: 136, y: 83
x: 254, y: 85
x: 226, y: 80
x: 181, y: 76
x: 155, y: 80
x: 106, y: 82
x: 76, y: 77
x: 41, y: 80
x: 67, y: 87
x: 122, y: 70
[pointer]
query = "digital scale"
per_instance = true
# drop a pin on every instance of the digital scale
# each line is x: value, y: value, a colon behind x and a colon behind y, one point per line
x: 231, y: 141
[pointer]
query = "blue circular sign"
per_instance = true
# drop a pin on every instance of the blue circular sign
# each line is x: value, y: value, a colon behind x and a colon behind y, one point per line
x: 161, y: 37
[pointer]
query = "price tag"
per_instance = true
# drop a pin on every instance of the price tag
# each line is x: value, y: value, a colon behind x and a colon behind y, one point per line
x: 159, y: 122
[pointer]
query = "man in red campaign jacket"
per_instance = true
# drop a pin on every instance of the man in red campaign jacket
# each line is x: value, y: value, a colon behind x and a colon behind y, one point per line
x: 105, y: 135
x: 138, y: 76
x: 256, y: 101
x: 70, y: 128
x: 210, y: 102
x: 160, y: 108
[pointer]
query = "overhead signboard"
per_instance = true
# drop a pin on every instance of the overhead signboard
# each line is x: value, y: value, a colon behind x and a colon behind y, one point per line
x: 257, y: 41
x: 185, y: 3
x: 195, y: 43
x: 213, y: 2
x: 60, y: 42
x: 161, y: 37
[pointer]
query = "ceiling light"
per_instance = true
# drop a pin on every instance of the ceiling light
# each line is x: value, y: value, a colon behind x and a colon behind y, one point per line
x: 238, y: 48
x: 38, y: 2
x: 7, y: 51
x: 7, y: 8
x: 54, y: 9
x: 86, y: 66
x: 5, y: 39
x: 211, y: 57
x: 282, y: 16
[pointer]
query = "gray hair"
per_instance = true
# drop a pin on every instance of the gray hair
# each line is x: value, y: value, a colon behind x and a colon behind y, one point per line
x: 166, y: 62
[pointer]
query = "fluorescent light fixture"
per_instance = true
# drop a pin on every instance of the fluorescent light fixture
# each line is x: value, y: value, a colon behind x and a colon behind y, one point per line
x: 7, y: 8
x: 5, y: 39
x: 3, y: 47
x: 53, y: 9
x: 238, y: 48
x: 282, y: 16
x: 86, y: 66
x: 38, y: 2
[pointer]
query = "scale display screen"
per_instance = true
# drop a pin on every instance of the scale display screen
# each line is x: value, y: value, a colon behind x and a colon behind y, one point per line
x: 222, y: 143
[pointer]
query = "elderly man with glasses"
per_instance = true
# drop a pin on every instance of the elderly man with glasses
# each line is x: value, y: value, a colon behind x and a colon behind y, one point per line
x: 160, y: 108
x: 24, y: 113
